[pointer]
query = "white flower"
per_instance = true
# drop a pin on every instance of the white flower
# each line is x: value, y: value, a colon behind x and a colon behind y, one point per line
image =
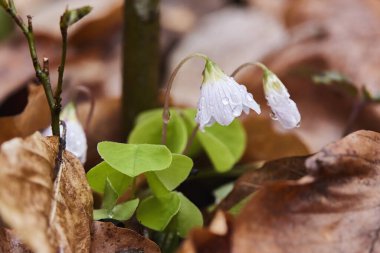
x: 222, y: 98
x: 76, y: 141
x: 283, y: 108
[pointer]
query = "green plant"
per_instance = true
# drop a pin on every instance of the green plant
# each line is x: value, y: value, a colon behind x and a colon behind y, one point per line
x: 163, y: 143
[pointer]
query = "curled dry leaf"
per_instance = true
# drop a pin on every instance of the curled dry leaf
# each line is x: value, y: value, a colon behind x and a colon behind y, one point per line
x: 107, y: 238
x: 335, y: 210
x: 47, y: 217
x: 35, y: 116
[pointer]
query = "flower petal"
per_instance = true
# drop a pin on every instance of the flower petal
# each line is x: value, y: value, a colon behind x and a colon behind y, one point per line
x: 222, y: 98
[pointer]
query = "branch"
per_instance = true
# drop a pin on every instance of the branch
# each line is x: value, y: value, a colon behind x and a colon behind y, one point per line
x: 42, y: 76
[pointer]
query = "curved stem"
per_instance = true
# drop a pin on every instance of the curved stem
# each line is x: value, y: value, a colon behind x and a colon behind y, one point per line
x: 166, y: 113
x: 249, y: 64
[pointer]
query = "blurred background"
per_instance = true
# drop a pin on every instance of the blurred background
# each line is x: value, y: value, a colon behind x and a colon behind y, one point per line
x: 325, y: 51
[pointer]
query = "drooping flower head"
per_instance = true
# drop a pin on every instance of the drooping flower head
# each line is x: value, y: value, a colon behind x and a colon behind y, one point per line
x: 283, y: 108
x: 76, y: 141
x: 222, y: 98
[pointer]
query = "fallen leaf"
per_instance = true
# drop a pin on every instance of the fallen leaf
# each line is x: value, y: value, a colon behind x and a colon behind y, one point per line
x: 46, y: 16
x: 107, y: 238
x: 265, y: 143
x: 333, y: 209
x: 215, y: 238
x: 340, y: 44
x: 35, y: 116
x: 16, y: 68
x: 291, y: 168
x: 9, y: 243
x: 47, y: 217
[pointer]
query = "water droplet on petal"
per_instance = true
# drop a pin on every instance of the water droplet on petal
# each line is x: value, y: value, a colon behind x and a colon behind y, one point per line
x: 225, y: 101
x: 273, y: 116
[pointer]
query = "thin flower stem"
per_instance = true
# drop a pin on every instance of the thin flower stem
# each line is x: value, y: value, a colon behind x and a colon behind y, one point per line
x: 248, y: 64
x: 191, y: 140
x: 166, y: 113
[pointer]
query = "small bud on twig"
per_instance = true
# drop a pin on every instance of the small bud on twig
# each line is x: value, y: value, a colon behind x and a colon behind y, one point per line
x: 45, y: 68
x: 70, y: 17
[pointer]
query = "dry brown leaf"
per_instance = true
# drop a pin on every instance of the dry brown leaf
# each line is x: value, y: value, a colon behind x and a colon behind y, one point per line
x: 287, y: 168
x: 265, y: 143
x: 16, y: 68
x: 348, y: 47
x: 334, y: 209
x: 35, y: 116
x: 215, y: 238
x: 9, y: 243
x: 107, y: 238
x: 46, y: 15
x: 46, y: 217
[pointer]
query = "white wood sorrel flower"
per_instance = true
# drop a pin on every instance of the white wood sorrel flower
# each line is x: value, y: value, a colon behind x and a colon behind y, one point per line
x: 283, y: 108
x: 222, y: 98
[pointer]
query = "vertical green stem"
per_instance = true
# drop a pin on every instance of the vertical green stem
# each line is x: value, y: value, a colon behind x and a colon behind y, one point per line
x: 140, y: 59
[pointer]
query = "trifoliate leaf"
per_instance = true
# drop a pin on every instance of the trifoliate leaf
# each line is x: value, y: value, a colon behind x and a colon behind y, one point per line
x: 156, y: 212
x: 100, y: 214
x: 135, y: 159
x: 155, y: 184
x: 188, y: 217
x: 148, y: 129
x: 110, y: 196
x: 125, y: 210
x: 177, y: 172
x: 98, y: 175
x: 224, y: 145
x: 119, y: 212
